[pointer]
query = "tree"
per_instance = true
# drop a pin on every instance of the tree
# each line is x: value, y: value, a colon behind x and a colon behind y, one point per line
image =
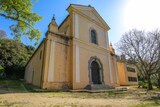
x: 2, y: 34
x: 144, y: 49
x: 13, y: 58
x: 20, y: 11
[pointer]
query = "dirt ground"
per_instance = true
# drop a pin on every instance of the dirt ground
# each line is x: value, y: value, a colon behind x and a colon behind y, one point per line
x: 68, y: 99
x: 14, y: 93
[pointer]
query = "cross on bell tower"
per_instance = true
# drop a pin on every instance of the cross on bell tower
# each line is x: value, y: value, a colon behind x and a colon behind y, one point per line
x: 53, y: 27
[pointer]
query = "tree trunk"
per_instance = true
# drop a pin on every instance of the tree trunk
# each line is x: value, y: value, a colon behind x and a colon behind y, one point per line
x: 149, y: 83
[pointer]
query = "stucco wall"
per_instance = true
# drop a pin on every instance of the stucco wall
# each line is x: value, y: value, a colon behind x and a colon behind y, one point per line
x: 84, y: 27
x: 85, y: 52
x: 114, y: 69
x: 33, y: 69
x: 66, y: 26
x: 57, y: 71
x: 124, y: 74
x: 131, y: 74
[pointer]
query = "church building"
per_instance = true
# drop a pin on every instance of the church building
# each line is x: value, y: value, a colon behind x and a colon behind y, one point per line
x: 75, y: 55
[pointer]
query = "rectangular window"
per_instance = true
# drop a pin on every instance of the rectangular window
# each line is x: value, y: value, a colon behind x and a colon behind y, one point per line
x: 94, y: 37
x: 130, y: 69
x: 132, y: 79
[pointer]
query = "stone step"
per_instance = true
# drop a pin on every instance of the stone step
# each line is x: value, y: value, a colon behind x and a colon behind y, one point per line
x: 98, y: 87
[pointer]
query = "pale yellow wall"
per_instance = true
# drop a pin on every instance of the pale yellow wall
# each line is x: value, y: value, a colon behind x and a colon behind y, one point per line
x: 124, y: 74
x: 34, y: 68
x: 81, y: 39
x: 121, y: 73
x: 86, y: 51
x: 61, y: 63
x: 131, y: 74
x: 66, y: 27
x: 115, y: 78
x: 84, y: 28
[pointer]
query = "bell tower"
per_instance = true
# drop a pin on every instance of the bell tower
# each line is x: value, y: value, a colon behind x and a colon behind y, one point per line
x: 53, y: 27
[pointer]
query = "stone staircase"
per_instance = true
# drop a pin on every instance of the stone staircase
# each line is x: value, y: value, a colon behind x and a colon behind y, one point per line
x: 98, y: 87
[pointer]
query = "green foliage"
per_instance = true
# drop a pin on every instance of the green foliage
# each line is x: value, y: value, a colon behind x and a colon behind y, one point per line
x: 142, y: 84
x: 1, y: 69
x: 13, y: 58
x: 21, y: 12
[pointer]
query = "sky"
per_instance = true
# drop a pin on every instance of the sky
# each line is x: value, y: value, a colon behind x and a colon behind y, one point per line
x: 120, y: 15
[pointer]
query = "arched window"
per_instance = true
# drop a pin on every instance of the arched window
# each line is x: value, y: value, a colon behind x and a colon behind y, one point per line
x: 93, y: 37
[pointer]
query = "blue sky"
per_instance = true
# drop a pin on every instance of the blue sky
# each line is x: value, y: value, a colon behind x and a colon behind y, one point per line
x: 120, y: 15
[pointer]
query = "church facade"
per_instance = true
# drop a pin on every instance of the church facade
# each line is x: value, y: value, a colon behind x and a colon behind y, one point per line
x: 75, y: 55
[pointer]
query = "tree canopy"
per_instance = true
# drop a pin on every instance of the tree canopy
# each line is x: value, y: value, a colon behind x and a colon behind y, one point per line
x: 144, y: 49
x: 20, y: 11
x: 14, y: 56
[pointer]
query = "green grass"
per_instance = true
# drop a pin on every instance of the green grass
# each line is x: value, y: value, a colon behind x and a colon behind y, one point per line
x: 149, y: 103
x: 18, y: 86
x: 12, y: 86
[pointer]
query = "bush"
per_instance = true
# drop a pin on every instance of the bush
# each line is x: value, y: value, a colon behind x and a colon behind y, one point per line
x: 2, y: 73
x: 142, y: 84
x: 1, y: 69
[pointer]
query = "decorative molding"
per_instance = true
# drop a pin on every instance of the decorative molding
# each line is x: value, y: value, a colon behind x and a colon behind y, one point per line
x: 91, y: 45
x: 51, y: 62
x: 110, y: 68
x: 95, y: 58
x: 102, y: 25
x: 60, y: 35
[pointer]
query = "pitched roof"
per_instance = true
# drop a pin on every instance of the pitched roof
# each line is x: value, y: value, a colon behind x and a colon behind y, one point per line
x: 89, y: 9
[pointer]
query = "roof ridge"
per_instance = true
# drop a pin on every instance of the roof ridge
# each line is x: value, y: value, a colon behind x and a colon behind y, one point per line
x: 79, y: 5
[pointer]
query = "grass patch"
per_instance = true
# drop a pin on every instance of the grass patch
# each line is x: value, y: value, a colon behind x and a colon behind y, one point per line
x: 86, y: 95
x: 18, y: 86
x: 150, y: 103
x: 12, y: 85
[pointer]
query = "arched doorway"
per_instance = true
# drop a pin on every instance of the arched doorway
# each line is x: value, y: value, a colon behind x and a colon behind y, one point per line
x: 95, y: 72
x: 95, y: 68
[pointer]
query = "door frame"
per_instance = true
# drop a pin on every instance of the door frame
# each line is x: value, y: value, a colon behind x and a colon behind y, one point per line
x: 96, y: 59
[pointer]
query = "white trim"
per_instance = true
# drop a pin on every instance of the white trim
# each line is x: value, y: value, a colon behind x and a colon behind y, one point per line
x: 51, y: 62
x: 77, y: 65
x: 107, y: 42
x: 110, y: 68
x: 76, y: 26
